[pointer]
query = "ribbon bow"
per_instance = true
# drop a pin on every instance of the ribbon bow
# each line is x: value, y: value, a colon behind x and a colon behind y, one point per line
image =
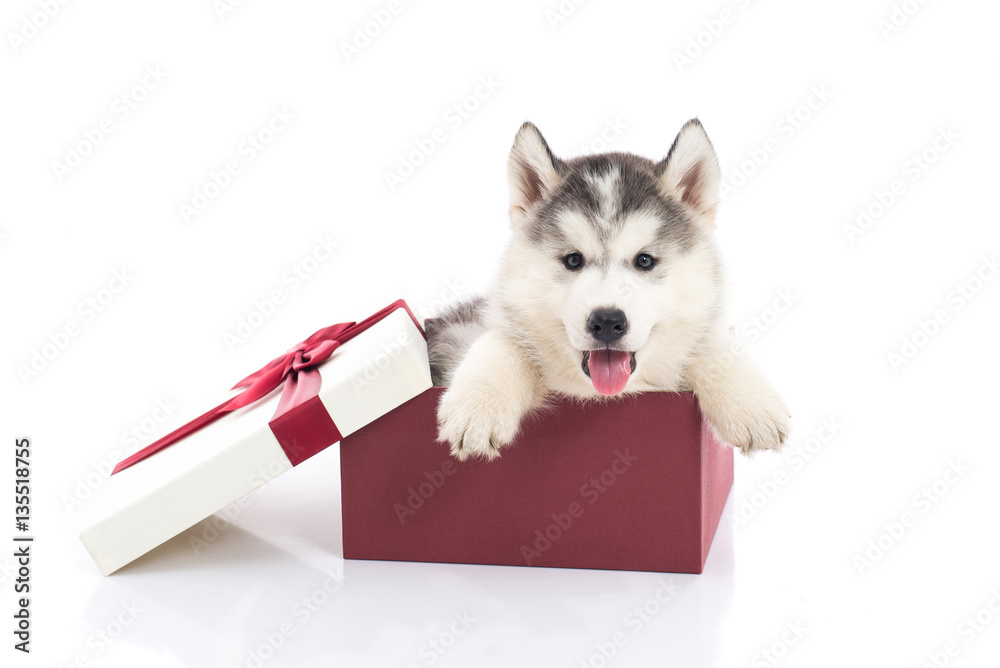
x: 296, y: 369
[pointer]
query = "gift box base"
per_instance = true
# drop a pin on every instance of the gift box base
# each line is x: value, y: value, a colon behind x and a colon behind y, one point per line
x: 637, y: 483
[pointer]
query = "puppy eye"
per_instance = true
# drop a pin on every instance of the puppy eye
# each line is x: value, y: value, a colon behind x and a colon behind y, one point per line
x: 573, y: 261
x: 644, y: 261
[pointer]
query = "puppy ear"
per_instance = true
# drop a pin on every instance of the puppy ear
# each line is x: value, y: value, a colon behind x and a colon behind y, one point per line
x: 532, y: 171
x: 690, y: 172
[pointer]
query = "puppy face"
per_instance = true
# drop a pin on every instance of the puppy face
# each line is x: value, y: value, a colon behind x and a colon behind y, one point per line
x: 609, y: 249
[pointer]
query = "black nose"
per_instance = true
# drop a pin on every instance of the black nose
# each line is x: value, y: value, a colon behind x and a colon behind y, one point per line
x: 607, y: 324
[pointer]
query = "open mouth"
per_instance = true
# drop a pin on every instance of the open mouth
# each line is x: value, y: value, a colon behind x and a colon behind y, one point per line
x: 608, y: 370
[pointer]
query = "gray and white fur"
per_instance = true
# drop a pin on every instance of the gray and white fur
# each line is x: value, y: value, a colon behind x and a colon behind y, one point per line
x: 611, y: 257
x: 450, y: 335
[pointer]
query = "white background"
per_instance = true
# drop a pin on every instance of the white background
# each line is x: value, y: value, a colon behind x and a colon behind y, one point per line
x: 611, y: 69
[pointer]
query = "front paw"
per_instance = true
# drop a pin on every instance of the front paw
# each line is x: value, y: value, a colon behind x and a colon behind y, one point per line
x: 754, y: 424
x: 477, y: 422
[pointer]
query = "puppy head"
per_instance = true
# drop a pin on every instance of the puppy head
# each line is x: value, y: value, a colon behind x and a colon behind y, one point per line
x: 610, y: 249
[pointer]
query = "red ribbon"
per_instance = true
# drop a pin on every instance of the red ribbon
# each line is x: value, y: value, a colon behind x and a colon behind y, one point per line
x: 296, y: 369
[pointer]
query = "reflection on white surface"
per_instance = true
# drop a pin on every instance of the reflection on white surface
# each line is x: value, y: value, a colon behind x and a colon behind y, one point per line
x: 271, y: 589
x: 222, y: 595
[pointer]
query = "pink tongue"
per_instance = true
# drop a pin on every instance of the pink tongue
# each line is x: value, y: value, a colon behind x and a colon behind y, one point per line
x: 609, y: 370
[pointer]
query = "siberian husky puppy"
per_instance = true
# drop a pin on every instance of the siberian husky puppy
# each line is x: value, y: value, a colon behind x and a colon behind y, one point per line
x: 610, y: 285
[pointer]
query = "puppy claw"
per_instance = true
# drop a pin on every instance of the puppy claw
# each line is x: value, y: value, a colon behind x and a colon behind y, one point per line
x: 762, y: 431
x: 752, y: 426
x: 476, y: 424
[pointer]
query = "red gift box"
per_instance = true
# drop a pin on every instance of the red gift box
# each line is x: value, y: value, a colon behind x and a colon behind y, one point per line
x: 632, y: 484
